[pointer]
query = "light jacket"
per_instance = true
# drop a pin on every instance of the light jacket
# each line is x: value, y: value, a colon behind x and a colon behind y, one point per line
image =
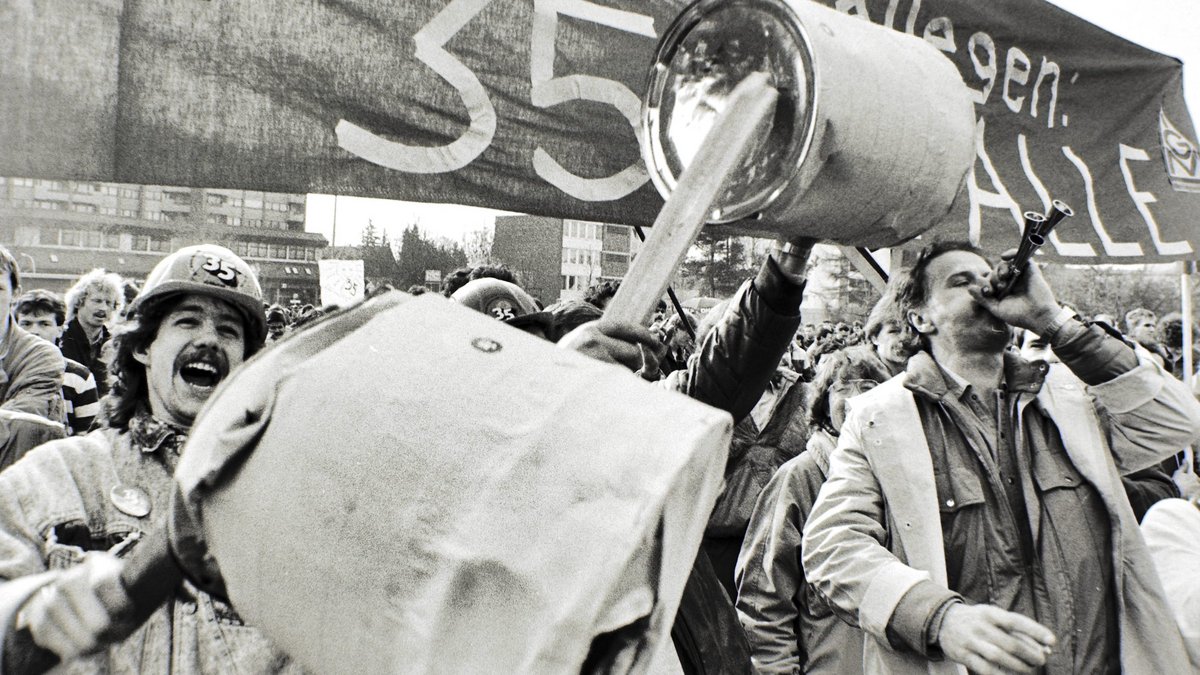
x: 790, y: 627
x: 875, y: 530
x: 66, y: 487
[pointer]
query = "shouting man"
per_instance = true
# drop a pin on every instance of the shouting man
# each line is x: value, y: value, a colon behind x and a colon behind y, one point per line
x: 67, y: 506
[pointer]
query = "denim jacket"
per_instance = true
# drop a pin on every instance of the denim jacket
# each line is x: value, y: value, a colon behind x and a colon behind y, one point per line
x: 57, y: 502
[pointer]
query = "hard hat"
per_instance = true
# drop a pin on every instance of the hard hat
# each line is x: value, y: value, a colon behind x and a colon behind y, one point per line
x: 505, y: 301
x: 208, y: 269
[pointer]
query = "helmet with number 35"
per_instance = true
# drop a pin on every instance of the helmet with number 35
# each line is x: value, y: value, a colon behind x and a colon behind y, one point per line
x: 211, y: 270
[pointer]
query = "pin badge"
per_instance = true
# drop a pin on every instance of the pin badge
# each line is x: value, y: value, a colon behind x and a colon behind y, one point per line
x: 132, y: 501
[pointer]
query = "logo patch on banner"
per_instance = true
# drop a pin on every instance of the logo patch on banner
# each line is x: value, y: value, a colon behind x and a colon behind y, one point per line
x: 1183, y: 161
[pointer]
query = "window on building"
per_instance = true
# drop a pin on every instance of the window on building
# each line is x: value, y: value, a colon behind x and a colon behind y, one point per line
x: 112, y: 240
x: 217, y: 219
x: 50, y: 204
x: 69, y: 238
x: 215, y: 200
x: 252, y: 203
x: 108, y: 211
x: 84, y: 208
x: 128, y: 193
x: 141, y: 242
x: 177, y: 197
x: 22, y: 182
x: 310, y: 254
x: 176, y: 217
x: 160, y: 244
x: 128, y: 213
x: 110, y: 190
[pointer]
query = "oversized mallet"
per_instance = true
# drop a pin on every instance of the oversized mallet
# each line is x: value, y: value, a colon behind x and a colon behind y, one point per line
x: 738, y: 128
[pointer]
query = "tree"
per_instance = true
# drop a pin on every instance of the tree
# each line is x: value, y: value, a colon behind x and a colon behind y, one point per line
x: 716, y: 266
x: 418, y: 254
x: 477, y: 245
x: 370, y: 237
x: 1114, y: 289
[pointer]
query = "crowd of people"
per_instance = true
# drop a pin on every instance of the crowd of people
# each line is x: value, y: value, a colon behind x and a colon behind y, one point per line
x: 959, y: 481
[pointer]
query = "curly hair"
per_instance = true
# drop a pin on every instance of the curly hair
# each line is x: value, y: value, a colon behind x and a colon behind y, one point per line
x: 127, y: 375
x: 854, y: 363
x: 97, y: 279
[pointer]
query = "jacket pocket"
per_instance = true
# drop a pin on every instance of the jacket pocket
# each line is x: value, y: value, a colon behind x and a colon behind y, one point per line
x: 1054, y: 470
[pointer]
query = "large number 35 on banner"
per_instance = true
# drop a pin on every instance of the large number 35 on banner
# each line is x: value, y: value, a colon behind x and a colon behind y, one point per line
x: 546, y: 91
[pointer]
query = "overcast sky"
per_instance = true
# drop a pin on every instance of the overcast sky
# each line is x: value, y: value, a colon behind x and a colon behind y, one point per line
x: 1168, y: 26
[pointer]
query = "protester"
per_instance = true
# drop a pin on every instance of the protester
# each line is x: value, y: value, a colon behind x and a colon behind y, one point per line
x: 731, y: 368
x: 569, y: 315
x: 790, y: 627
x: 276, y: 323
x: 679, y: 342
x: 1141, y: 325
x: 455, y: 280
x: 492, y: 272
x: 68, y: 503
x: 32, y: 369
x: 889, y: 335
x: 600, y: 293
x: 1143, y: 488
x: 961, y: 519
x: 43, y: 314
x: 94, y: 301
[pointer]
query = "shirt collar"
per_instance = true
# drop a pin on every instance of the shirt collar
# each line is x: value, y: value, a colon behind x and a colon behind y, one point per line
x: 933, y: 379
x: 150, y: 434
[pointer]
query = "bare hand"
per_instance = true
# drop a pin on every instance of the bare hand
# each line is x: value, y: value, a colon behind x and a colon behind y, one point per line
x: 991, y: 641
x: 619, y: 342
x: 1029, y: 304
x: 81, y: 611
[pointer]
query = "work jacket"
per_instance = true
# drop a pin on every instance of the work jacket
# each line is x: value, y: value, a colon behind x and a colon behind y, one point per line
x: 31, y: 372
x: 875, y: 531
x: 58, y: 502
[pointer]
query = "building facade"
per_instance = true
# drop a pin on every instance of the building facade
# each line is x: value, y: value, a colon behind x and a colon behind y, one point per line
x: 559, y: 259
x: 59, y: 230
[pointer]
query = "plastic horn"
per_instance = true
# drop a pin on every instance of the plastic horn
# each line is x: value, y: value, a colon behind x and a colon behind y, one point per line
x: 1058, y: 211
x: 1031, y: 241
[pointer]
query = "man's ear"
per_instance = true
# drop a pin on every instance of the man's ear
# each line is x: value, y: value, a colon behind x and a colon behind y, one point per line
x: 920, y: 322
x: 142, y: 356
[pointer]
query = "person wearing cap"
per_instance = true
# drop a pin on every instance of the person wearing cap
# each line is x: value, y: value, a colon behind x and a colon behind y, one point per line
x: 69, y: 506
x: 276, y: 323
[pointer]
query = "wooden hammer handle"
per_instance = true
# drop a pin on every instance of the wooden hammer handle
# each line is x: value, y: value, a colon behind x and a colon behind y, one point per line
x: 686, y: 210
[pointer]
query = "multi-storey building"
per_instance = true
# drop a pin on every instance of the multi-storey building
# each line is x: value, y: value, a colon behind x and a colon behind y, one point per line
x: 59, y: 230
x: 559, y: 259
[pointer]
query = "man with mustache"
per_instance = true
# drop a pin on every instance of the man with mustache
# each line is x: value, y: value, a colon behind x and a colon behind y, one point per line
x: 68, y: 506
x: 92, y: 303
x: 973, y: 510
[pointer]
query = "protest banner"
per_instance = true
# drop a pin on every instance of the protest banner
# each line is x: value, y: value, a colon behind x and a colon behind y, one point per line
x: 533, y: 105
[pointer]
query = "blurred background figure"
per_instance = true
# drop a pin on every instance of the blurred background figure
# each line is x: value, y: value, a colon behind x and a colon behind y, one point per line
x: 791, y: 629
